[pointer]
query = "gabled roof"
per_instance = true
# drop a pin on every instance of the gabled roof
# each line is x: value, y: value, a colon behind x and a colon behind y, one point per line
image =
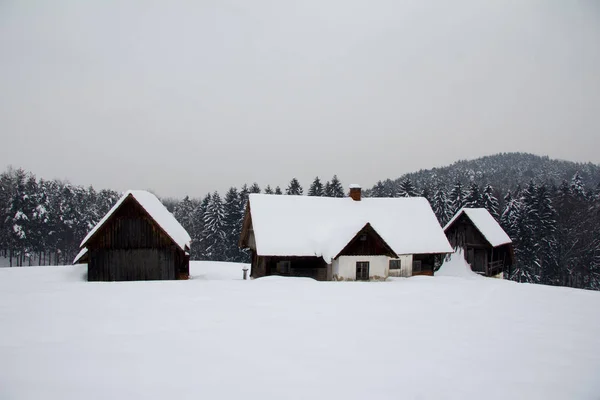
x: 81, y: 256
x: 323, y: 226
x: 485, y: 224
x: 156, y: 210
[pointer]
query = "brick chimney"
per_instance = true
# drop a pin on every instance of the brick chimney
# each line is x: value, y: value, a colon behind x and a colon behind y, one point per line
x: 355, y: 192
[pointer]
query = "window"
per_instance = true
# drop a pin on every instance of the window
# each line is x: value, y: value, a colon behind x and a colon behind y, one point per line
x: 395, y: 264
x: 416, y: 266
x: 283, y: 267
x: 362, y: 270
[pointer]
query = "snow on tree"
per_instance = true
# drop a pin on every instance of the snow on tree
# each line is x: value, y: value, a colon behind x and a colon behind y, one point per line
x: 577, y: 186
x: 231, y: 224
x: 184, y: 214
x: 278, y: 190
x: 407, y: 188
x: 490, y: 202
x: 440, y: 206
x: 316, y: 188
x: 327, y: 189
x: 294, y: 188
x: 214, y: 233
x: 474, y: 198
x: 378, y: 190
x: 457, y: 197
x: 268, y: 190
x: 199, y: 244
x: 255, y: 188
x: 335, y: 188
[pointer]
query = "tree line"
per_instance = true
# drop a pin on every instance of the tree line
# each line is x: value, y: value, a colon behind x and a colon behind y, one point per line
x: 555, y: 229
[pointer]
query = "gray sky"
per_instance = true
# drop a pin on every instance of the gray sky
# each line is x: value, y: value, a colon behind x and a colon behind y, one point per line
x: 186, y: 97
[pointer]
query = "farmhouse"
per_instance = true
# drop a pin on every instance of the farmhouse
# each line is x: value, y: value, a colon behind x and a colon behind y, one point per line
x: 341, y: 238
x: 485, y: 244
x: 138, y: 239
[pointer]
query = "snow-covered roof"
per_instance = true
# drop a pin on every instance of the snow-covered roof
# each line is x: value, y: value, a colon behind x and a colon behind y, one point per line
x: 323, y: 226
x: 156, y: 210
x: 485, y: 224
x: 80, y: 255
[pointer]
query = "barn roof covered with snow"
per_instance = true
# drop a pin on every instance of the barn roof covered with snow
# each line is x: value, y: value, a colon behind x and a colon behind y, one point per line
x: 156, y: 210
x: 323, y: 226
x: 485, y: 224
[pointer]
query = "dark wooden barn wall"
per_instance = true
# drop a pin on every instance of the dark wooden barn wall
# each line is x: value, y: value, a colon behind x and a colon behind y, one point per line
x: 130, y: 246
x: 366, y: 243
x: 310, y: 267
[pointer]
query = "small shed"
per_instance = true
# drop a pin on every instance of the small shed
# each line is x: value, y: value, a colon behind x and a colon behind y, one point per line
x: 138, y: 239
x: 350, y: 238
x: 486, y: 247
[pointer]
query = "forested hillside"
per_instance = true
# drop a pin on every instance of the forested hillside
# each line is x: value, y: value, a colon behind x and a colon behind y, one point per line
x: 550, y: 208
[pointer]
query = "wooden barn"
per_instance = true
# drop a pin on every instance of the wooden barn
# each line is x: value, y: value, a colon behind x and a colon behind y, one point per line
x: 487, y: 248
x: 341, y: 238
x: 138, y: 239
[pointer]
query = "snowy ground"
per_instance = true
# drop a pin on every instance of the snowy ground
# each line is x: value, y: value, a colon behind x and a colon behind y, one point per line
x: 217, y: 336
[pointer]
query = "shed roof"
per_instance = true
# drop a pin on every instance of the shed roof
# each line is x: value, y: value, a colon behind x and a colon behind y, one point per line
x: 485, y: 224
x: 322, y: 226
x: 156, y: 210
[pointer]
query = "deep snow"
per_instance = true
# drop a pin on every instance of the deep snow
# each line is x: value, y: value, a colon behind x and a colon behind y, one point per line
x: 217, y: 336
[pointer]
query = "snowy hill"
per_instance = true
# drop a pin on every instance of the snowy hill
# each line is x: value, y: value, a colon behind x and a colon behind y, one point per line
x: 503, y: 171
x: 217, y: 336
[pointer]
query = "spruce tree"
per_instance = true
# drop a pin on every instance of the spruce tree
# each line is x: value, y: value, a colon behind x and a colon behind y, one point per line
x: 294, y: 188
x: 457, y: 198
x: 233, y: 214
x: 440, y: 206
x: 327, y: 189
x: 336, y: 189
x: 316, y: 188
x: 214, y: 233
x: 378, y: 190
x: 490, y: 202
x: 407, y: 188
x: 199, y: 242
x: 474, y: 198
x: 255, y: 188
x: 278, y: 190
x: 268, y: 190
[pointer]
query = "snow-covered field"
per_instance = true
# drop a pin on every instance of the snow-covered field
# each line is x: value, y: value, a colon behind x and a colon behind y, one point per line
x: 217, y: 336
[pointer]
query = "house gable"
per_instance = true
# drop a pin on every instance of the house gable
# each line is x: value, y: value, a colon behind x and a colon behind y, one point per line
x: 367, y: 242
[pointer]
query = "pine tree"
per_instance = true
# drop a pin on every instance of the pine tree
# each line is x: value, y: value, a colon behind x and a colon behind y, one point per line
x: 527, y: 268
x: 214, y: 233
x: 577, y: 186
x: 231, y: 224
x: 199, y: 242
x: 474, y: 198
x: 490, y: 202
x: 184, y: 214
x: 440, y: 206
x: 327, y: 189
x: 425, y: 193
x: 407, y: 189
x: 510, y: 216
x: 255, y: 188
x: 335, y: 188
x: 316, y: 188
x: 457, y: 198
x: 268, y: 190
x: 294, y: 188
x: 378, y: 190
x: 278, y: 190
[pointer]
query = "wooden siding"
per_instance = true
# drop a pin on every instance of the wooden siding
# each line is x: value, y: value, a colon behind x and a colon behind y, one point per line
x: 367, y: 242
x: 308, y: 267
x: 131, y: 246
x: 427, y: 264
x: 483, y: 257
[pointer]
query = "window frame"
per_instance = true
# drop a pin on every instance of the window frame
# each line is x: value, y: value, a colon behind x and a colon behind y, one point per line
x: 363, y: 266
x: 395, y: 261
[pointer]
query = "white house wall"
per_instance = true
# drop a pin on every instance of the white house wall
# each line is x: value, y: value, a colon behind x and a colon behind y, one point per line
x: 405, y: 266
x: 344, y: 267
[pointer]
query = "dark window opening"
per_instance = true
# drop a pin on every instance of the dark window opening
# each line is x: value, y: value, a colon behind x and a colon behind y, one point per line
x: 362, y: 270
x: 416, y: 266
x: 395, y: 264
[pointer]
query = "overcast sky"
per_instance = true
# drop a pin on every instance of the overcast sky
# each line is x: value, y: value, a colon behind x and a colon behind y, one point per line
x: 186, y: 97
